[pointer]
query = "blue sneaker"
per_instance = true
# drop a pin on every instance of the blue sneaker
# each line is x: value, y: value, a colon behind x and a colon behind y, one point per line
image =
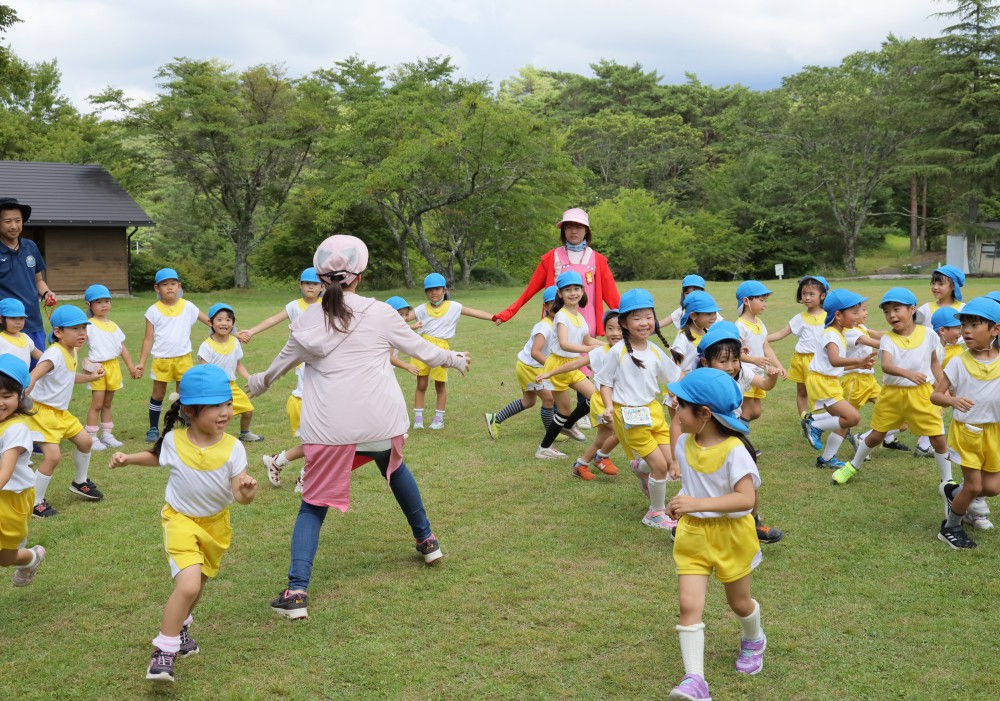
x: 153, y: 435
x: 811, y: 433
x: 833, y: 463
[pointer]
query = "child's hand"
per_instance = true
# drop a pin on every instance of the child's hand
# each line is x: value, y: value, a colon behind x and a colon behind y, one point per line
x: 412, y: 369
x: 416, y: 325
x: 783, y: 372
x: 680, y: 505
x: 609, y: 415
x: 97, y: 372
x: 962, y: 404
x: 119, y: 459
x: 917, y: 378
x: 771, y: 370
x: 674, y: 470
x: 869, y: 362
x: 243, y: 336
x: 542, y: 376
x: 246, y: 486
x: 137, y: 372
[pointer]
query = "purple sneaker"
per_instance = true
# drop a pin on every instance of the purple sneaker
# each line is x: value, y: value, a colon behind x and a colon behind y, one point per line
x: 691, y: 688
x: 751, y: 659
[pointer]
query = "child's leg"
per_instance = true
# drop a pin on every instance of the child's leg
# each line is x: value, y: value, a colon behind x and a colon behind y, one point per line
x: 548, y: 407
x: 753, y: 644
x: 441, y: 389
x: 188, y: 585
x: 738, y: 596
x: 156, y: 402
x: 942, y: 457
x: 801, y: 398
x: 245, y: 419
x: 94, y: 412
x: 659, y: 463
x: 50, y: 458
x: 751, y: 408
x: 839, y: 419
x: 418, y: 395
x: 691, y: 590
x: 16, y: 558
x: 872, y: 439
x: 109, y: 398
x: 962, y: 496
x: 563, y: 409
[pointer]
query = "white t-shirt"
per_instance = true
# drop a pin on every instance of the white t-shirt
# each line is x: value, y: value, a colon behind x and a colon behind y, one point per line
x: 15, y: 434
x: 753, y: 336
x: 821, y: 361
x: 688, y: 350
x: 544, y: 328
x: 20, y: 346
x: 746, y: 376
x: 911, y: 352
x: 632, y: 385
x: 597, y: 358
x: 294, y: 310
x: 225, y: 355
x: 200, y: 482
x: 440, y: 322
x: 984, y: 392
x: 926, y: 311
x: 713, y: 472
x: 172, y: 328
x: 105, y: 340
x: 858, y: 350
x: 55, y: 388
x: 576, y: 328
x: 809, y: 329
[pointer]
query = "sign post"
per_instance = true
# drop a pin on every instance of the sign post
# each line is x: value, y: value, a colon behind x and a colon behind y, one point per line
x: 779, y: 270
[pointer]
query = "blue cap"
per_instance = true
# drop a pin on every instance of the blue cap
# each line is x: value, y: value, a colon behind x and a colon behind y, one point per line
x: 16, y: 369
x: 957, y: 277
x: 435, y: 280
x: 945, y: 317
x: 720, y: 331
x: 994, y: 295
x: 397, y: 303
x: 166, y: 274
x: 570, y: 277
x: 635, y: 299
x: 697, y: 301
x: 750, y: 288
x: 838, y: 300
x: 309, y: 275
x: 714, y: 389
x: 608, y: 314
x: 205, y: 384
x: 818, y: 278
x: 693, y: 281
x: 899, y: 295
x: 550, y: 294
x: 68, y: 315
x: 985, y: 307
x: 12, y: 307
x: 96, y: 292
x: 218, y: 307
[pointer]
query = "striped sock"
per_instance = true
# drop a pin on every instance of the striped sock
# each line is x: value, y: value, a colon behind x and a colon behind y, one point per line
x: 547, y: 417
x: 155, y: 407
x: 515, y: 407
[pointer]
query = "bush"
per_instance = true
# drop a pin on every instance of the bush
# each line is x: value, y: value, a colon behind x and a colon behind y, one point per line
x: 195, y: 277
x: 491, y: 276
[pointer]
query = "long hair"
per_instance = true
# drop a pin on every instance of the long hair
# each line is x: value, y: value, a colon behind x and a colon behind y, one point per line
x: 338, y: 314
x: 677, y: 357
x: 723, y: 429
x: 941, y: 278
x: 172, y: 416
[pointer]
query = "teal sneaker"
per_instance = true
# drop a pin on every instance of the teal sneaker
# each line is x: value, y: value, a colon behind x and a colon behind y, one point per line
x: 844, y: 474
x: 152, y: 435
x: 812, y: 434
x: 833, y: 463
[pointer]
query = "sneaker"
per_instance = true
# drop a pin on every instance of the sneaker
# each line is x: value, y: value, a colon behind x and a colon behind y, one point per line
x: 23, y: 576
x: 438, y: 423
x: 584, y: 423
x: 845, y: 473
x: 658, y: 519
x: 492, y: 426
x: 751, y: 659
x: 833, y: 463
x: 561, y: 438
x: 812, y: 434
x: 583, y: 472
x: 273, y: 471
x: 549, y: 454
x: 161, y: 666
x: 979, y: 507
x: 43, y: 510
x: 291, y: 605
x: 606, y: 466
x: 300, y: 483
x: 977, y: 521
x: 691, y: 688
x: 109, y: 440
x: 430, y: 549
x: 852, y: 439
x: 921, y: 453
x: 947, y: 492
x: 643, y: 476
x: 153, y: 435
x: 98, y: 444
x: 418, y: 423
x: 896, y: 445
x: 87, y: 490
x: 250, y: 437
x: 574, y: 433
x: 767, y: 534
x: 956, y: 537
x: 188, y: 645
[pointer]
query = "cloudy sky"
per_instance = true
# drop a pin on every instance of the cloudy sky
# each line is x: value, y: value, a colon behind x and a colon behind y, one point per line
x: 754, y: 42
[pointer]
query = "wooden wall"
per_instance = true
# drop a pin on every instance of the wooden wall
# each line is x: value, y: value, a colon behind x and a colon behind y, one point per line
x: 80, y: 257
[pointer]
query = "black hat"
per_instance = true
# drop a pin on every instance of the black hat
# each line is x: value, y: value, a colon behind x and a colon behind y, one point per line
x: 11, y: 203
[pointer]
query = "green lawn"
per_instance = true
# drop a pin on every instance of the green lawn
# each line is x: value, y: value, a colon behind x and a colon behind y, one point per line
x: 550, y: 589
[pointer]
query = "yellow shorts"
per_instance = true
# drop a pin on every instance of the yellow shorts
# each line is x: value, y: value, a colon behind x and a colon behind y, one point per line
x: 562, y: 381
x: 910, y: 405
x: 975, y: 449
x: 15, y: 512
x: 596, y: 409
x: 755, y: 393
x: 860, y: 388
x: 823, y: 390
x: 727, y: 545
x: 423, y: 370
x: 191, y: 540
x: 799, y: 367
x: 241, y: 402
x: 171, y: 369
x: 293, y: 407
x: 526, y: 378
x: 55, y: 425
x: 643, y: 440
x: 112, y: 380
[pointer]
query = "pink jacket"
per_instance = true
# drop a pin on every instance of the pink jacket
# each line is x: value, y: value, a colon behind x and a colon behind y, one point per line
x: 351, y: 394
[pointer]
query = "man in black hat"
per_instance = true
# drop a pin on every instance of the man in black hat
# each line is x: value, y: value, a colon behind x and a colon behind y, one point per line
x: 21, y: 267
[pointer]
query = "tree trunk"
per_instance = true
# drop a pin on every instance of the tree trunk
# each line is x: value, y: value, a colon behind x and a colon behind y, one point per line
x: 923, y: 219
x: 851, y: 249
x: 914, y: 233
x: 972, y: 235
x: 404, y: 261
x: 241, y: 277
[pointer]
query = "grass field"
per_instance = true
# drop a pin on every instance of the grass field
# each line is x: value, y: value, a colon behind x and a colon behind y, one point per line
x: 550, y: 589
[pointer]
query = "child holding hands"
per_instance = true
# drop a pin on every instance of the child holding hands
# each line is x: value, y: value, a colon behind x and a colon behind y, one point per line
x: 106, y: 342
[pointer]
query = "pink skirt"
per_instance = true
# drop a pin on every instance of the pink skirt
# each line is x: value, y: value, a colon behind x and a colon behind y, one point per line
x: 327, y: 480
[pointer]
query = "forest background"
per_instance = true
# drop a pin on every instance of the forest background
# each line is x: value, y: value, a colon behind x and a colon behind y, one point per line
x: 246, y: 169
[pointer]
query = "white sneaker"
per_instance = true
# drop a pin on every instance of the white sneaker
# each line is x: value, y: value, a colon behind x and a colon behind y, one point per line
x: 980, y: 523
x: 97, y: 444
x: 575, y: 433
x: 584, y: 423
x: 418, y: 424
x: 300, y: 482
x: 273, y: 471
x: 110, y: 441
x: 979, y: 507
x: 23, y: 576
x: 549, y: 454
x: 250, y: 437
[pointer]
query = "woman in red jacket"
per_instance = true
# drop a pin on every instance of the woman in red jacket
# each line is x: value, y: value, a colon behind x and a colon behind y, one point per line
x: 574, y: 254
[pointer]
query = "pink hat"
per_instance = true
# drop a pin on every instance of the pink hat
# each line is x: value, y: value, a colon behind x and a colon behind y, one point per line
x: 341, y: 258
x: 574, y: 215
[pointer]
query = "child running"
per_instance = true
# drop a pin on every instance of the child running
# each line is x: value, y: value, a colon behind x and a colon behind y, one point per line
x: 630, y: 389
x: 530, y: 361
x: 222, y: 349
x: 12, y: 338
x: 971, y: 386
x: 106, y: 342
x: 439, y: 320
x: 208, y: 471
x: 859, y: 383
x: 715, y: 530
x: 51, y: 389
x: 689, y: 284
x: 751, y: 301
x: 946, y: 325
x: 699, y: 315
x: 168, y: 337
x: 17, y: 482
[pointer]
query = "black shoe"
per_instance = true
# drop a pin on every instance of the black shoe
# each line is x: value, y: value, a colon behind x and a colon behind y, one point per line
x: 767, y: 534
x: 947, y: 492
x: 43, y: 510
x: 87, y: 490
x: 956, y: 537
x: 896, y: 445
x: 188, y: 645
x: 291, y: 605
x: 161, y: 666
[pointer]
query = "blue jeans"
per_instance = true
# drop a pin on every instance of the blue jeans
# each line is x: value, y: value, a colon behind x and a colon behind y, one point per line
x: 305, y: 536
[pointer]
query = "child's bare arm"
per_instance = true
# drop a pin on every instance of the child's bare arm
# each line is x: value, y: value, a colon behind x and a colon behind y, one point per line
x: 740, y: 499
x: 270, y: 321
x: 477, y: 314
x: 778, y: 335
x: 143, y: 459
x: 127, y: 357
x: 574, y: 364
x: 203, y: 318
x: 147, y: 345
x: 537, y: 346
x: 242, y: 371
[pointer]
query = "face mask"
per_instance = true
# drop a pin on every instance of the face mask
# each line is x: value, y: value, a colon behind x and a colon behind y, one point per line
x: 576, y: 247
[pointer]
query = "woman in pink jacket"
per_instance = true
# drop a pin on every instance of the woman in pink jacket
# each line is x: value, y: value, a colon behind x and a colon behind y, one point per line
x: 353, y: 410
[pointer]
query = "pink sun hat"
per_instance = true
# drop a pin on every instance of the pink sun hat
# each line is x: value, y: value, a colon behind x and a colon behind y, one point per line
x: 341, y: 258
x: 576, y: 215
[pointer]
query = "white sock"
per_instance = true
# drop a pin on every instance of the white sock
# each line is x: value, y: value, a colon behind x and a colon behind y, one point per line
x: 859, y: 457
x: 692, y: 640
x: 833, y: 442
x: 167, y: 643
x: 34, y: 560
x: 107, y: 428
x: 657, y: 494
x: 189, y: 620
x: 826, y: 422
x: 81, y: 461
x: 944, y: 465
x: 644, y: 467
x: 751, y: 624
x: 41, y: 484
x: 890, y: 437
x: 281, y: 460
x: 92, y: 431
x: 439, y: 414
x: 924, y: 443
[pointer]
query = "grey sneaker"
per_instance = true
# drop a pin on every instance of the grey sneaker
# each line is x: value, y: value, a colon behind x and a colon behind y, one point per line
x: 430, y: 549
x: 290, y: 605
x: 161, y: 666
x: 23, y: 576
x: 188, y: 645
x: 250, y: 437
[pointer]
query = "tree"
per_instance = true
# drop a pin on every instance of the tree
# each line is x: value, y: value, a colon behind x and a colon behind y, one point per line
x: 241, y: 140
